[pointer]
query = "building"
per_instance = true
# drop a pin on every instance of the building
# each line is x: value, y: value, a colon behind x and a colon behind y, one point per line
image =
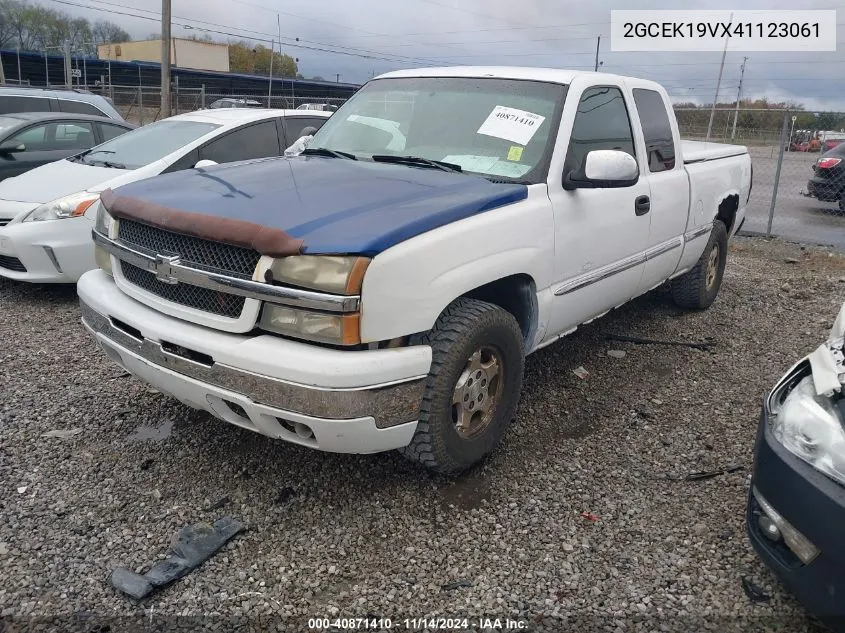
x: 183, y: 53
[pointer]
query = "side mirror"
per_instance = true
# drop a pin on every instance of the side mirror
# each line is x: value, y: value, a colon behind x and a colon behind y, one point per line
x: 10, y: 147
x: 604, y: 169
x: 204, y: 163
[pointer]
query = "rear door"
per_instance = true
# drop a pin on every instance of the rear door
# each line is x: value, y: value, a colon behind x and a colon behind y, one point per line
x: 668, y: 182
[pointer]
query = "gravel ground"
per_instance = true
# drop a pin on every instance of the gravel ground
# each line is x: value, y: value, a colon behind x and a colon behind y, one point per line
x: 372, y: 535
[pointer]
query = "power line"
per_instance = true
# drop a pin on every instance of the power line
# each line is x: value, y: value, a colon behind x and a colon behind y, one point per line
x: 268, y: 38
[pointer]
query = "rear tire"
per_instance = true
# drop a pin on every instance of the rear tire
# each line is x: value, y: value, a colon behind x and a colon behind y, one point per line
x: 473, y: 386
x: 697, y: 288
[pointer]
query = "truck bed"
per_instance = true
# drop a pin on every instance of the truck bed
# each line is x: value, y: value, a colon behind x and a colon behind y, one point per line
x: 698, y: 151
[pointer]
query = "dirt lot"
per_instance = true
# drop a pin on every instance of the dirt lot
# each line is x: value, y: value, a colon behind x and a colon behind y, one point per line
x: 341, y: 535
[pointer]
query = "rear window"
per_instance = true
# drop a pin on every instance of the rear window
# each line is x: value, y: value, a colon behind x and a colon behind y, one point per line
x: 660, y: 146
x: 11, y: 104
x: 79, y: 107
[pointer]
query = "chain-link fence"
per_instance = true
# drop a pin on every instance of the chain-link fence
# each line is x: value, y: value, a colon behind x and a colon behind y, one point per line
x: 142, y: 104
x: 798, y: 185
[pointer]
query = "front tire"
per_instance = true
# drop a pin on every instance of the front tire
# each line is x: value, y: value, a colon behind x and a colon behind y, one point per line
x: 473, y: 387
x: 697, y: 289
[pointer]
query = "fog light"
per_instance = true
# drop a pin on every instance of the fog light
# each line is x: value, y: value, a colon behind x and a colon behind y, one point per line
x: 768, y: 528
x: 797, y: 542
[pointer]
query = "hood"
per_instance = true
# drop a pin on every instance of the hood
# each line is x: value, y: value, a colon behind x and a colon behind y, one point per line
x: 333, y: 205
x: 55, y: 180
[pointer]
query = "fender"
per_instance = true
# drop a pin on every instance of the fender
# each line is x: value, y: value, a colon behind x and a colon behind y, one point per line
x: 407, y: 286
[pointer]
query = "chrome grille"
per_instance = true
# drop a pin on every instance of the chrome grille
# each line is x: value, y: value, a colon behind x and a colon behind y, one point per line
x: 196, y: 252
x: 185, y: 294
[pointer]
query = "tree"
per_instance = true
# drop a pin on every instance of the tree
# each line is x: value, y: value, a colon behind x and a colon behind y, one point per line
x: 32, y: 27
x: 105, y: 32
x: 244, y: 58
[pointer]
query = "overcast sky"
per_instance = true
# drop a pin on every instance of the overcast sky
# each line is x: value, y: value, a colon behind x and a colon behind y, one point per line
x: 374, y: 36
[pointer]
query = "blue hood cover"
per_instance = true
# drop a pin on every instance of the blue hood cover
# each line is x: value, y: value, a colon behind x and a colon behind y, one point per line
x: 335, y: 205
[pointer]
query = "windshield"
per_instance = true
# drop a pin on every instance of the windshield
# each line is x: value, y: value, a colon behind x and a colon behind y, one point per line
x: 500, y: 128
x: 146, y: 144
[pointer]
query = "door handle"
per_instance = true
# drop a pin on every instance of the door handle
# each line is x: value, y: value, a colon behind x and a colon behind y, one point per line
x: 642, y: 205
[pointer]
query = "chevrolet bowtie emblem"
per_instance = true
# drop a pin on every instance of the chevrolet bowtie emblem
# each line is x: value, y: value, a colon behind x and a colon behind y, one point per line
x: 164, y: 268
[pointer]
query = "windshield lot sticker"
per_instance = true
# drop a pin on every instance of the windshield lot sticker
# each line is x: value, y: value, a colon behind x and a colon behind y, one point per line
x: 516, y: 126
x: 515, y: 153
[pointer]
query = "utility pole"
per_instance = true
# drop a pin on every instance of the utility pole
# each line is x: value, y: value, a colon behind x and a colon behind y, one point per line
x: 718, y: 84
x: 272, y: 55
x: 165, y: 58
x: 68, y: 75
x: 338, y: 77
x: 598, y: 43
x: 738, y: 95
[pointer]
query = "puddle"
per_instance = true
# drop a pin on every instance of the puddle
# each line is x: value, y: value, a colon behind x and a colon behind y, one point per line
x: 466, y: 493
x: 152, y: 433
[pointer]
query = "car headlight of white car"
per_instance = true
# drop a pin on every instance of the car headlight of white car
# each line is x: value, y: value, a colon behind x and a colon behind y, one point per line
x: 72, y: 206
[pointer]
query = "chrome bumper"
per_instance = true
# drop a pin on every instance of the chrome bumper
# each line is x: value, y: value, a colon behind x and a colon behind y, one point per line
x: 389, y: 404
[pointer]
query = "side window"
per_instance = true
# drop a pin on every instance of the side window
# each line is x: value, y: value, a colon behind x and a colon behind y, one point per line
x: 295, y: 124
x: 34, y: 137
x: 78, y: 135
x: 601, y: 123
x: 53, y: 136
x: 657, y: 130
x: 79, y: 107
x: 12, y: 104
x: 111, y: 131
x: 254, y: 141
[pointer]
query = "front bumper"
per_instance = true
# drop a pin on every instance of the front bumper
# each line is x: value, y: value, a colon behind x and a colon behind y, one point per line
x: 331, y: 400
x: 815, y: 506
x: 52, y: 251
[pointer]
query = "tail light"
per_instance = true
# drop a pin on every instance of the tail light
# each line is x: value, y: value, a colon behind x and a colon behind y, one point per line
x: 828, y: 163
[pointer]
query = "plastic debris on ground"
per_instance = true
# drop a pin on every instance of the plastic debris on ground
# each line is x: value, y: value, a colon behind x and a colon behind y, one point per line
x: 581, y: 373
x: 62, y: 433
x: 591, y: 517
x: 193, y: 545
x: 754, y: 592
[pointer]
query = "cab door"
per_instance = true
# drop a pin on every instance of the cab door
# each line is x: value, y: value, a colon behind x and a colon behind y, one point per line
x: 600, y: 233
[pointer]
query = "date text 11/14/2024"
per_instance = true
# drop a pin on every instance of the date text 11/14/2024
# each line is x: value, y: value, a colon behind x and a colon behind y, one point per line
x: 417, y: 624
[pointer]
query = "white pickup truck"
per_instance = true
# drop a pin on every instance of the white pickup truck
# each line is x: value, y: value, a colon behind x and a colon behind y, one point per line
x: 382, y: 289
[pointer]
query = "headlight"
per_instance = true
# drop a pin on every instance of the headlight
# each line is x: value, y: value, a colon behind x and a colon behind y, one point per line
x: 339, y: 329
x: 103, y: 220
x: 68, y: 207
x: 341, y: 275
x: 811, y: 427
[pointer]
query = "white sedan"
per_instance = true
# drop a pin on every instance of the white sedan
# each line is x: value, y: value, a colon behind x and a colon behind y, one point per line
x: 46, y: 214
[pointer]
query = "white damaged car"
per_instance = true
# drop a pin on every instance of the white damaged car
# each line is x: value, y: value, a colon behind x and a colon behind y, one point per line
x: 47, y: 214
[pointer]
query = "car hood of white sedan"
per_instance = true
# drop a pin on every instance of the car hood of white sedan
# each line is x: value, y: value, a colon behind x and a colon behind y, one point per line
x: 55, y: 180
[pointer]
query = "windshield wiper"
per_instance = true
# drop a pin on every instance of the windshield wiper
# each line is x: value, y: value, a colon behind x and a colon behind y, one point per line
x: 416, y: 160
x: 107, y: 163
x: 325, y: 151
